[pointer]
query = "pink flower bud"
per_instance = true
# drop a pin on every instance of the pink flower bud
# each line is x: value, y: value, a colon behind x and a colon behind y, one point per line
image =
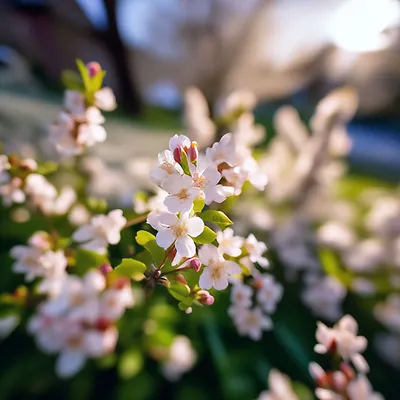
x: 205, y: 298
x: 195, y: 264
x: 93, y: 68
x: 105, y: 269
x: 177, y: 154
x: 193, y: 152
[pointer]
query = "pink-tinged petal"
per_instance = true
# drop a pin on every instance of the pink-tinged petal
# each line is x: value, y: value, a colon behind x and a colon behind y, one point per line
x: 69, y: 363
x: 221, y: 282
x: 167, y: 219
x: 96, y: 245
x: 360, y: 363
x: 195, y: 226
x: 165, y: 237
x: 185, y: 246
x: 105, y: 99
x: 172, y: 203
x: 186, y: 182
x: 232, y: 268
x: 205, y: 281
x: 185, y: 205
x: 172, y: 184
x: 207, y: 253
x: 360, y: 344
x: 348, y: 323
x: 212, y: 175
x: 320, y: 349
x: 94, y: 116
x: 179, y: 140
x: 83, y: 233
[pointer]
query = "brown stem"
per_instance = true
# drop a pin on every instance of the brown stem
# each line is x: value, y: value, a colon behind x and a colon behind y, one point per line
x: 136, y: 220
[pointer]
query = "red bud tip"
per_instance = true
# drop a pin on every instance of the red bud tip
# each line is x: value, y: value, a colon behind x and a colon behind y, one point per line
x: 177, y: 154
x: 105, y: 269
x: 195, y: 264
x: 193, y: 152
x: 93, y: 68
x: 102, y: 324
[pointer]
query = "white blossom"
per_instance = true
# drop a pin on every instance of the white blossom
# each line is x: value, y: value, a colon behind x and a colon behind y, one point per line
x: 250, y: 322
x: 269, y: 292
x: 223, y: 151
x: 280, y: 388
x: 166, y: 166
x: 180, y: 359
x: 178, y: 231
x: 206, y: 178
x: 105, y: 99
x: 101, y: 231
x: 217, y: 270
x: 255, y: 250
x: 324, y: 296
x: 181, y: 191
x: 241, y: 295
x: 360, y: 389
x: 228, y: 243
x: 37, y: 260
x: 39, y: 190
x: 12, y: 192
x: 343, y: 336
x: 78, y: 322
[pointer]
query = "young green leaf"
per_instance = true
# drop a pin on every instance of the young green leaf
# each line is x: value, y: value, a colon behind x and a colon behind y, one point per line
x: 47, y: 167
x: 131, y: 268
x: 216, y: 217
x: 86, y: 259
x: 198, y: 204
x: 84, y: 74
x: 72, y: 80
x: 185, y: 163
x: 207, y: 236
x: 142, y: 237
x: 179, y: 290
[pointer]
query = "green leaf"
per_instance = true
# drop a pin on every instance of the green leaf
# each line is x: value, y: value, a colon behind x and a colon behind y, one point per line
x: 72, y: 80
x: 185, y: 163
x: 84, y: 74
x: 47, y: 167
x: 143, y: 237
x: 86, y: 260
x: 131, y: 268
x: 156, y: 252
x: 97, y: 206
x: 216, y: 217
x: 179, y: 290
x: 198, y: 204
x: 97, y: 81
x: 130, y: 363
x: 302, y: 391
x: 207, y: 236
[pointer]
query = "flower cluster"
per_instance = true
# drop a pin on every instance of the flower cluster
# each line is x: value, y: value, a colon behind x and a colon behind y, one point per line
x: 345, y: 347
x: 39, y: 260
x: 79, y: 125
x: 253, y: 302
x: 191, y: 180
x: 79, y: 322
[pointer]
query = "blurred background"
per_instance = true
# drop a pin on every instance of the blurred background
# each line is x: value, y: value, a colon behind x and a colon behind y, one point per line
x: 285, y: 51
